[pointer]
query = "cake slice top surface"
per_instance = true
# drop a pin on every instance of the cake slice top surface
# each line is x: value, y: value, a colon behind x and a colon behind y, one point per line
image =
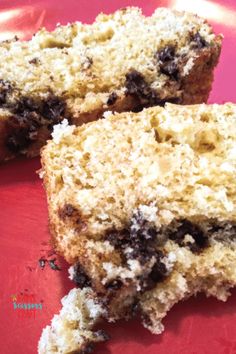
x: 168, y: 163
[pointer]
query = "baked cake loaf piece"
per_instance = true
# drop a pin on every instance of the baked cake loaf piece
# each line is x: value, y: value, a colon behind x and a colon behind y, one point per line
x: 71, y: 330
x: 122, y: 62
x: 143, y: 205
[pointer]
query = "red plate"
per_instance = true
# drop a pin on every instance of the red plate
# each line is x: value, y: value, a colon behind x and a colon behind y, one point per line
x: 197, y: 326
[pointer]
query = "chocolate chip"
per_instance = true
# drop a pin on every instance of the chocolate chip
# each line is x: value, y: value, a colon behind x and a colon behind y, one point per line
x: 158, y: 272
x: 53, y: 265
x: 112, y: 98
x: 186, y: 227
x: 145, y: 95
x: 53, y: 108
x: 166, y: 54
x: 223, y: 232
x: 80, y: 277
x: 2, y: 97
x: 216, y: 228
x: 142, y: 238
x: 34, y: 61
x: 69, y: 214
x: 90, y: 62
x: 114, y: 285
x: 102, y: 334
x: 139, y: 236
x: 167, y: 63
x: 137, y: 86
x: 135, y: 308
x: 139, y: 226
x: 68, y: 210
x: 118, y: 239
x: 170, y: 69
x: 193, y: 247
x: 24, y: 106
x: 198, y: 41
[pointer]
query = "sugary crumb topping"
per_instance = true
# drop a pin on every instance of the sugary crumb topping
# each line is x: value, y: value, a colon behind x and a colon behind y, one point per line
x: 61, y: 131
x: 149, y: 212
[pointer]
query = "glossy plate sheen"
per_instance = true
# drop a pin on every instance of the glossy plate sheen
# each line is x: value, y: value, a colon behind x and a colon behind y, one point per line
x: 196, y: 326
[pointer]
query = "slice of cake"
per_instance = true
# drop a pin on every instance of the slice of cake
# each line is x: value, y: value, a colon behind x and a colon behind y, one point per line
x: 143, y: 205
x: 123, y: 61
x: 71, y: 330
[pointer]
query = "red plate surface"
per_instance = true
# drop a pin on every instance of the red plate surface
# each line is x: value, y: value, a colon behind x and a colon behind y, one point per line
x: 196, y: 326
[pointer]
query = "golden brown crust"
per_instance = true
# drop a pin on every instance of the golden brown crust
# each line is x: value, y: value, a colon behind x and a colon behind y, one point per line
x: 123, y: 103
x: 5, y: 154
x: 197, y: 84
